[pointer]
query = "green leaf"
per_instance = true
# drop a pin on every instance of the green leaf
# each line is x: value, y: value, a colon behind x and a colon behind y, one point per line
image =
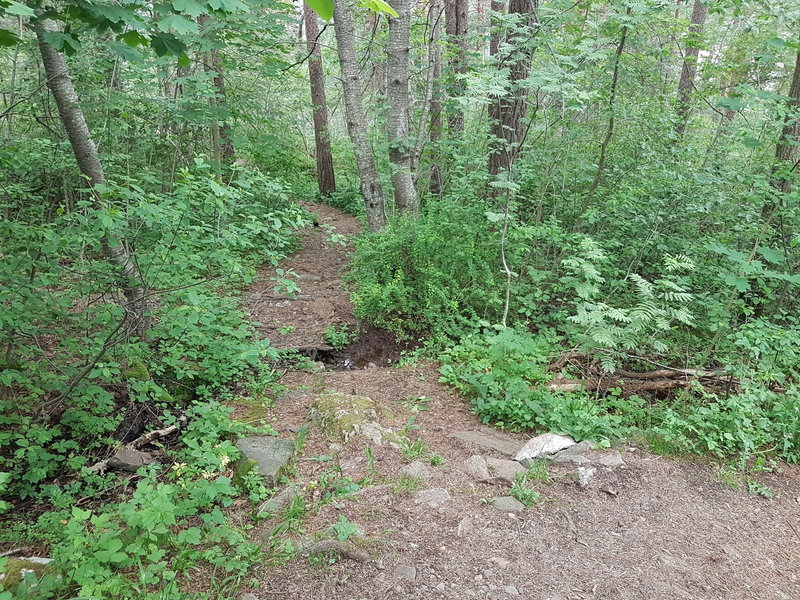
x: 178, y: 23
x: 751, y: 142
x: 167, y: 45
x: 324, y: 8
x: 15, y: 8
x: 125, y: 51
x: 771, y: 255
x: 133, y: 39
x: 8, y: 38
x: 190, y: 7
x: 379, y: 6
x: 733, y: 103
x: 228, y: 6
x: 65, y: 42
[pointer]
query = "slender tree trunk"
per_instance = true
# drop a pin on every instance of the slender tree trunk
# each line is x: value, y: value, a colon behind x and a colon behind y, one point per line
x: 326, y: 178
x: 355, y: 115
x: 456, y: 15
x: 436, y: 122
x: 85, y: 152
x: 507, y: 112
x: 401, y: 146
x: 221, y: 140
x: 786, y: 151
x: 690, y: 56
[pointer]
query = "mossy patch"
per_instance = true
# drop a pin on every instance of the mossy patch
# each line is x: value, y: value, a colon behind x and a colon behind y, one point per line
x: 16, y: 568
x: 136, y: 371
x: 341, y: 416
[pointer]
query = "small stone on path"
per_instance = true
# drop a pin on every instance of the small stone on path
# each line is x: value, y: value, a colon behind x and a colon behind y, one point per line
x: 128, y: 459
x: 433, y: 497
x: 493, y: 441
x: 610, y: 460
x: 542, y: 445
x: 475, y: 467
x: 416, y: 470
x: 248, y: 596
x: 407, y: 572
x: 465, y: 526
x: 508, y: 504
x: 506, y: 470
x: 585, y: 475
x: 271, y: 454
x: 511, y: 590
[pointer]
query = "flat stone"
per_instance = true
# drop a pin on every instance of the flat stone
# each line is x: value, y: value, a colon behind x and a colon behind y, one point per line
x: 585, y: 475
x: 508, y: 504
x: 503, y: 469
x: 407, y: 572
x: 493, y: 441
x: 279, y: 501
x: 271, y: 454
x: 128, y: 459
x: 433, y: 497
x: 542, y: 445
x: 248, y: 596
x: 475, y: 467
x: 511, y: 590
x: 579, y: 460
x: 416, y: 470
x: 610, y: 460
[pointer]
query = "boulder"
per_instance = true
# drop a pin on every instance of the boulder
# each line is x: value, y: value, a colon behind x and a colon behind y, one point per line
x: 433, y: 497
x: 508, y: 504
x: 475, y: 467
x: 343, y: 416
x: 129, y: 459
x: 416, y: 470
x: 270, y: 455
x: 541, y: 446
x: 505, y: 470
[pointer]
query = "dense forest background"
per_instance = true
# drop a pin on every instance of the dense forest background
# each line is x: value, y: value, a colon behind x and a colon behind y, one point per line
x: 559, y: 196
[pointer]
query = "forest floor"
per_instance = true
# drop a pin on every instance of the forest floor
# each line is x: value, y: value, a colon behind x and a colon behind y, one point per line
x: 649, y: 528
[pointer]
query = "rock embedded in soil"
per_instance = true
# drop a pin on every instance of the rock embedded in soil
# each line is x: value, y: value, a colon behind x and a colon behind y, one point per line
x: 279, y: 501
x: 542, y: 446
x: 492, y: 441
x: 508, y: 504
x: 128, y: 459
x: 611, y: 460
x: 16, y: 568
x: 433, y: 497
x: 416, y: 470
x: 270, y: 455
x: 505, y: 470
x: 475, y: 467
x: 585, y: 475
x: 343, y: 416
x: 407, y: 572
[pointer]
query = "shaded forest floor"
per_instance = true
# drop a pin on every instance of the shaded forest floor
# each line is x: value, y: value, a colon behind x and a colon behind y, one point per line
x: 650, y: 528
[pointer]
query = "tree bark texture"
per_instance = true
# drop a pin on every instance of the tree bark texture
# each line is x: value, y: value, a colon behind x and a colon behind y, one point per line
x: 456, y: 16
x: 507, y: 112
x: 786, y: 152
x: 401, y: 146
x: 689, y: 71
x: 85, y: 152
x: 326, y: 178
x: 357, y: 125
x: 221, y: 139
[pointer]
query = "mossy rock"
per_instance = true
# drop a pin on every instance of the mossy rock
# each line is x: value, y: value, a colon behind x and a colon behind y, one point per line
x: 241, y: 468
x: 15, y: 570
x: 342, y: 416
x: 136, y: 371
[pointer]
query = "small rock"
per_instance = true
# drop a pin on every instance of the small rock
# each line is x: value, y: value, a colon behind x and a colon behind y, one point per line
x: 248, y: 596
x: 580, y: 448
x: 433, y: 497
x: 416, y: 470
x: 500, y: 561
x: 440, y: 587
x: 371, y: 365
x: 407, y: 572
x: 465, y: 527
x: 562, y: 458
x: 128, y: 459
x: 585, y: 475
x: 475, y: 467
x: 511, y: 590
x: 506, y: 470
x: 508, y: 504
x: 271, y: 454
x: 610, y: 460
x: 278, y: 501
x: 608, y: 490
x: 541, y: 445
x: 319, y: 365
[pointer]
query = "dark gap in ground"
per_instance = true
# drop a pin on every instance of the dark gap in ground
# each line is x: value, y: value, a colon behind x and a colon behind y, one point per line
x: 373, y: 347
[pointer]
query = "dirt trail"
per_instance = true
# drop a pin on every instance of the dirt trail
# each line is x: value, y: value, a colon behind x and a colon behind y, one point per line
x: 651, y: 529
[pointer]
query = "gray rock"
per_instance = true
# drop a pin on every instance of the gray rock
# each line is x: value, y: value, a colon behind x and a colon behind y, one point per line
x: 475, y: 467
x: 580, y: 448
x: 610, y: 460
x: 493, y: 441
x: 416, y: 470
x: 511, y: 590
x: 128, y: 459
x: 465, y: 527
x: 440, y: 587
x: 542, y: 445
x: 585, y: 475
x: 407, y: 572
x: 279, y: 501
x: 248, y: 596
x: 504, y: 469
x: 271, y: 454
x: 433, y: 497
x: 508, y: 504
x: 579, y: 460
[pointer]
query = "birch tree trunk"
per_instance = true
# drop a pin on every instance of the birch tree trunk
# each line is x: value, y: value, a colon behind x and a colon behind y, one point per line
x: 326, y: 178
x: 689, y: 70
x: 357, y: 125
x: 85, y: 152
x: 400, y: 145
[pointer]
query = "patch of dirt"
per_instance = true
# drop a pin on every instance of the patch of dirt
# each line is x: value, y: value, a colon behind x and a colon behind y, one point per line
x: 653, y: 529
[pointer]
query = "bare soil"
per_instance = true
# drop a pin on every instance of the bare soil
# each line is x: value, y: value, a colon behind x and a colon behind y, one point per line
x: 655, y: 528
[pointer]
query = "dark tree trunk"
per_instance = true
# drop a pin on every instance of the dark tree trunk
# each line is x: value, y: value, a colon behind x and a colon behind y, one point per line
x: 357, y: 124
x: 326, y: 178
x: 456, y: 15
x: 507, y: 112
x: 689, y: 71
x: 83, y: 148
x: 786, y: 152
x: 397, y: 120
